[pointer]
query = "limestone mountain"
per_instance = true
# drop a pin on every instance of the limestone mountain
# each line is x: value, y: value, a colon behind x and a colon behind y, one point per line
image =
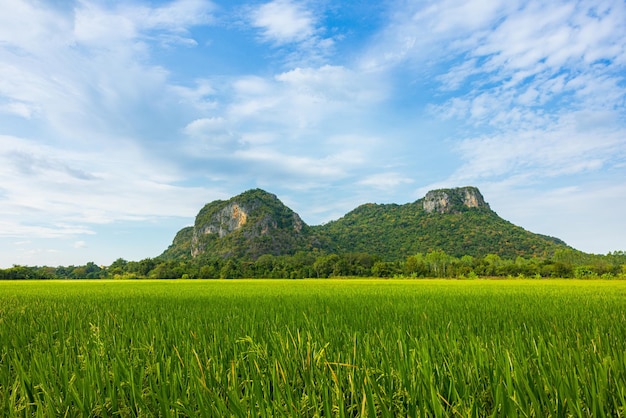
x: 453, y: 200
x: 458, y: 221
x: 246, y: 226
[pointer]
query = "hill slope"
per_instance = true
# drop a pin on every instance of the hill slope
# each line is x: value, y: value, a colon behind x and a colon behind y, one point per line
x: 458, y: 221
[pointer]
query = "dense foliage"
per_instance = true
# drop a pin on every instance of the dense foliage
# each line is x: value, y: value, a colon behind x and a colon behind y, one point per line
x: 565, y: 263
x: 393, y: 232
x: 350, y: 348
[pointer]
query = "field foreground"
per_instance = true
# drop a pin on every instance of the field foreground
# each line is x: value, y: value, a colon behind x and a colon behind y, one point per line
x: 313, y: 348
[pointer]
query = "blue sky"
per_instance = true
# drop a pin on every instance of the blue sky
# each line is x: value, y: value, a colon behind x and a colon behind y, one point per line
x: 119, y: 120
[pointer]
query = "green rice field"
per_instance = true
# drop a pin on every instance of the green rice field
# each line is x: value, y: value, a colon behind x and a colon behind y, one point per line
x: 306, y: 348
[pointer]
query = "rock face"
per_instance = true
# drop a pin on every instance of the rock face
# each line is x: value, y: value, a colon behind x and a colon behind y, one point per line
x: 453, y: 200
x: 251, y: 224
x: 227, y: 220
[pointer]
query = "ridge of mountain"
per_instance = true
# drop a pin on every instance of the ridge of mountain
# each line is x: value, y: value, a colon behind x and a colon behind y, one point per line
x: 458, y: 221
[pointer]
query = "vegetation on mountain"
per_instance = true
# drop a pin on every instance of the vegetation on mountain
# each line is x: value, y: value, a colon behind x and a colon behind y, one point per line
x: 181, y: 246
x: 457, y: 221
x: 244, y: 227
x: 394, y: 232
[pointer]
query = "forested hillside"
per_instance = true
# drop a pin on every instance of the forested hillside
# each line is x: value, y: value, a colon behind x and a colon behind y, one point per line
x: 393, y: 232
x: 457, y: 221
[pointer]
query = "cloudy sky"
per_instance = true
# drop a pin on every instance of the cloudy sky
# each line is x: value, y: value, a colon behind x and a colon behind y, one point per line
x: 120, y: 119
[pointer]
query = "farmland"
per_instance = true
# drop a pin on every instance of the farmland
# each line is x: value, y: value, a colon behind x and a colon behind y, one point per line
x: 313, y: 348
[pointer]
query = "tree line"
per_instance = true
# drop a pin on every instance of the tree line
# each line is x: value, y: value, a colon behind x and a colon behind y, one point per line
x: 564, y: 263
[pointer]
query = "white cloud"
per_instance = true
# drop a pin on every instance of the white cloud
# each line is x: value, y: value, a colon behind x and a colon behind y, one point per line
x: 51, y: 192
x: 291, y: 111
x: 284, y: 21
x: 332, y: 83
x: 96, y: 26
x: 212, y: 132
x: 10, y: 228
x: 33, y: 26
x: 506, y: 49
x: 200, y: 97
x: 99, y: 26
x: 385, y: 181
x: 178, y: 15
x: 422, y: 33
x: 315, y: 93
x: 85, y: 73
x: 80, y: 244
x: 18, y: 108
x: 452, y: 15
x: 558, y: 211
x: 568, y: 147
x: 295, y: 128
x: 296, y: 166
x: 294, y: 28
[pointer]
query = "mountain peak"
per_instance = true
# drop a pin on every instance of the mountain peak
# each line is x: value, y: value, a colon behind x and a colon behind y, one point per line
x: 252, y: 223
x: 453, y: 200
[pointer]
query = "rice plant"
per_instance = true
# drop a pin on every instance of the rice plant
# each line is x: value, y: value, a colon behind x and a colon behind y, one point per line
x: 345, y: 348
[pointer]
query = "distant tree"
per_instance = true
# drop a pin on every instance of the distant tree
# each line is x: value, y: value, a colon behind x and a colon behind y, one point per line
x: 360, y: 264
x: 141, y: 268
x: 325, y: 265
x: 230, y: 270
x: 385, y: 269
x: 438, y: 263
x: 78, y: 272
x: 264, y: 265
x: 93, y: 271
x: 209, y: 271
x: 465, y: 266
x: 415, y: 265
x: 166, y: 270
x: 559, y: 269
x: 18, y: 272
x: 118, y: 267
x: 489, y: 265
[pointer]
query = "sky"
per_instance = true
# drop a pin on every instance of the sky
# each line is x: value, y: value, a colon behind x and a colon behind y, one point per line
x: 120, y: 119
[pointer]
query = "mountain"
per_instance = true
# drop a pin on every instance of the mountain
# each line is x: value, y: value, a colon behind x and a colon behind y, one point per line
x: 246, y: 226
x: 458, y: 221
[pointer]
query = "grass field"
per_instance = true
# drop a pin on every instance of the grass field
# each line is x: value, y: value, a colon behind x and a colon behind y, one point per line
x: 313, y: 348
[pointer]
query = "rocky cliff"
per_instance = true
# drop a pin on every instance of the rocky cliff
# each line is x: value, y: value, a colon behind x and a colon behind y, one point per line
x: 248, y: 225
x: 453, y: 200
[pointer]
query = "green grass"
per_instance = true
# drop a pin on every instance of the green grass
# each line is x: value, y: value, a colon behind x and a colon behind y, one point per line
x: 341, y: 348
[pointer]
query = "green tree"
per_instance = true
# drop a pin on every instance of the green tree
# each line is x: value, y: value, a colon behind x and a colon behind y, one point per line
x: 325, y: 265
x: 230, y: 270
x: 416, y: 265
x: 93, y: 271
x: 118, y: 267
x: 209, y: 271
x: 385, y: 269
x: 438, y: 263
